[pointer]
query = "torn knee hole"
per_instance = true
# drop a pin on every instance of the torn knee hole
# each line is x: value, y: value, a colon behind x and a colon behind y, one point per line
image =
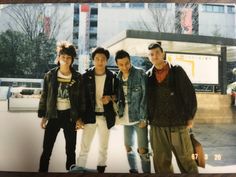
x: 128, y: 148
x: 142, y: 150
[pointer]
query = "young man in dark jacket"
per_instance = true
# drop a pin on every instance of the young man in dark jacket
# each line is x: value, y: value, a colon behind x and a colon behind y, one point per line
x: 171, y: 107
x: 61, y: 105
x: 99, y: 114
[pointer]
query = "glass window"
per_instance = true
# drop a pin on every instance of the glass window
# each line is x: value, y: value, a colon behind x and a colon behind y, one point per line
x: 213, y: 8
x: 209, y: 8
x: 76, y: 10
x: 113, y: 5
x: 93, y: 23
x: 231, y: 9
x: 221, y: 9
x: 94, y: 11
x: 76, y: 16
x: 93, y: 30
x: 157, y: 5
x: 75, y: 35
x: 218, y: 9
x: 94, y: 36
x: 76, y: 22
x: 136, y: 5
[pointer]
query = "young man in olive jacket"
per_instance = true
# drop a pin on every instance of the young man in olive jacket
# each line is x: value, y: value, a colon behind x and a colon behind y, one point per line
x: 61, y: 105
x: 100, y: 85
x: 171, y: 107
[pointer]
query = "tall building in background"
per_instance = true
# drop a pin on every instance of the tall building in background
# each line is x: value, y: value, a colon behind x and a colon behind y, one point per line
x: 107, y: 20
x: 217, y: 20
x: 114, y: 18
x: 85, y: 32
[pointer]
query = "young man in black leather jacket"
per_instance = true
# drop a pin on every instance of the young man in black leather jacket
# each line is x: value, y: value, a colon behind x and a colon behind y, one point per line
x: 61, y: 105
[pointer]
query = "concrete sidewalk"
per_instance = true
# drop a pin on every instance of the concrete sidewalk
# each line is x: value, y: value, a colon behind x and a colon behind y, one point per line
x: 219, y: 143
x: 21, y: 146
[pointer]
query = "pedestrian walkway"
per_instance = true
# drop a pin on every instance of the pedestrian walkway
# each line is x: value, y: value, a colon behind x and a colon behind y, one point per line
x: 21, y: 145
x: 219, y: 142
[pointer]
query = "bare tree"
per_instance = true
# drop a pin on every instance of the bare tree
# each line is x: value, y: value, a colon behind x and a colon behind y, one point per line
x: 39, y: 25
x: 33, y: 19
x: 164, y: 19
x: 161, y: 20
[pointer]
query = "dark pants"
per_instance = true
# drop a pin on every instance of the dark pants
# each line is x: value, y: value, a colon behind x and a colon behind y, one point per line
x: 50, y: 135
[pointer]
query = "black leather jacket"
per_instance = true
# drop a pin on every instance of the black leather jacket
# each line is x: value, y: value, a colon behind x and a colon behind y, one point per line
x: 90, y: 94
x: 47, y: 105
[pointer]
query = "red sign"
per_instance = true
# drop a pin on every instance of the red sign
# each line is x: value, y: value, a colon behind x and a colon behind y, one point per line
x: 85, y: 8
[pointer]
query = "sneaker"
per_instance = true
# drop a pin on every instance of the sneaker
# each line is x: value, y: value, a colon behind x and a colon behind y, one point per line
x: 133, y: 171
x: 76, y: 169
x: 101, y: 169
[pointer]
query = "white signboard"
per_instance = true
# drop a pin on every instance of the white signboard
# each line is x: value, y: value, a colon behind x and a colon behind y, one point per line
x: 201, y: 69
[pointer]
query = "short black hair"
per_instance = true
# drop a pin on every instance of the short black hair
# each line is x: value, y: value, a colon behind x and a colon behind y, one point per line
x: 101, y: 51
x: 121, y: 54
x: 66, y: 48
x: 154, y: 46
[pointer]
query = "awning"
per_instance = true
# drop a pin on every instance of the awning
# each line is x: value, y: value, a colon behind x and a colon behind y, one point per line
x: 136, y: 43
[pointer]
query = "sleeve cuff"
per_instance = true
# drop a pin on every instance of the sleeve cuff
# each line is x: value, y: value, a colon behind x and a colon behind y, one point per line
x: 41, y: 113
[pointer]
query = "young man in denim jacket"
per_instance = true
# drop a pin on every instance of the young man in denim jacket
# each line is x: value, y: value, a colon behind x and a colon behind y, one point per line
x: 132, y: 110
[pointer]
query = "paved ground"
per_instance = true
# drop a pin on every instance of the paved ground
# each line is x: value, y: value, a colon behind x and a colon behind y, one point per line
x: 219, y: 141
x: 21, y: 145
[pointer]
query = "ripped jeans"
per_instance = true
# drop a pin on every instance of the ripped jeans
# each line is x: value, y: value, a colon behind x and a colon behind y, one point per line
x: 142, y: 138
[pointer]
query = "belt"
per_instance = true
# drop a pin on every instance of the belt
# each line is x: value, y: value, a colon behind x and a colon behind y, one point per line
x: 99, y: 113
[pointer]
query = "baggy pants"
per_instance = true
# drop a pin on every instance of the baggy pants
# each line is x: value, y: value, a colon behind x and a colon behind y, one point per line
x: 164, y: 141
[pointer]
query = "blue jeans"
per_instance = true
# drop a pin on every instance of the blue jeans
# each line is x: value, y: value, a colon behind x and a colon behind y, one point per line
x: 142, y: 137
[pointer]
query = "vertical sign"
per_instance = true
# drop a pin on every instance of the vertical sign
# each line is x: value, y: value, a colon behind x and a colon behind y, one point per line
x: 83, y: 41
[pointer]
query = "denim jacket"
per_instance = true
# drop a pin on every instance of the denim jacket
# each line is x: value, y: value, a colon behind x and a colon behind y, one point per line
x: 136, y: 95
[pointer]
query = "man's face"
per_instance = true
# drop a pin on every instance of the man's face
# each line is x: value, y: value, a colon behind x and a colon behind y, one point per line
x: 124, y: 65
x: 156, y: 56
x: 65, y: 60
x: 100, y: 61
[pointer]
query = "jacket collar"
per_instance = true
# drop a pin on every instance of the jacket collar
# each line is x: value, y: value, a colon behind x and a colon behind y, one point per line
x: 73, y: 72
x: 151, y: 70
x: 91, y: 72
x: 130, y: 72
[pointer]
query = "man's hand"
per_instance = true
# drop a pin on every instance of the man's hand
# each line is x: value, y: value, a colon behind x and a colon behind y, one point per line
x: 106, y: 99
x: 142, y: 124
x: 43, y: 123
x: 190, y: 124
x: 113, y: 98
x: 79, y: 124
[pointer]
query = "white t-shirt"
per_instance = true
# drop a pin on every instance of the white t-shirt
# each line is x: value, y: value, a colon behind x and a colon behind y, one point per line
x: 63, y: 100
x: 99, y: 82
x: 125, y: 119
